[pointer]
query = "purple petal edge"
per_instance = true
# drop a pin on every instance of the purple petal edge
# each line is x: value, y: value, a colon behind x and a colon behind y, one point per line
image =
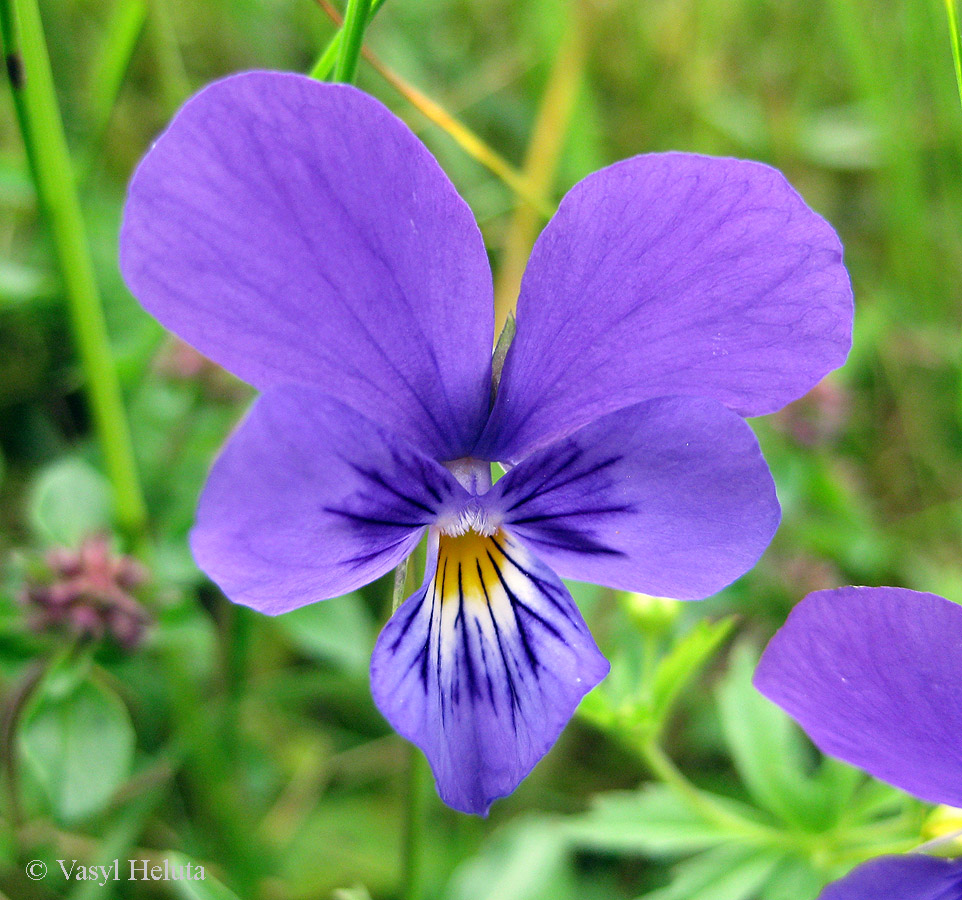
x: 910, y: 877
x: 874, y: 676
x: 309, y: 500
x: 669, y: 497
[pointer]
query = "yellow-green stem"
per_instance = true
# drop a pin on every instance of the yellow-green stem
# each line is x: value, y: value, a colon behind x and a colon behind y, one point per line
x: 418, y: 806
x: 953, y: 14
x: 700, y: 802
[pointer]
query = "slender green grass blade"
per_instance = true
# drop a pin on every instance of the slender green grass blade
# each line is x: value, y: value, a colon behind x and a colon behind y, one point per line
x: 42, y: 129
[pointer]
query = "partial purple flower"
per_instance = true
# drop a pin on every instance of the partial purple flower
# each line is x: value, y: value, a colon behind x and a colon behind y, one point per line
x: 912, y: 877
x: 300, y: 235
x: 874, y: 675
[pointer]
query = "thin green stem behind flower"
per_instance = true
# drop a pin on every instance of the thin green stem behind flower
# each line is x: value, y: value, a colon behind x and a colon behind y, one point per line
x: 356, y: 19
x: 43, y: 136
x: 951, y: 8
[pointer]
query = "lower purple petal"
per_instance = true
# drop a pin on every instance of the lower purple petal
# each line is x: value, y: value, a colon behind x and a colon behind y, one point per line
x: 874, y: 675
x: 483, y: 666
x: 912, y: 877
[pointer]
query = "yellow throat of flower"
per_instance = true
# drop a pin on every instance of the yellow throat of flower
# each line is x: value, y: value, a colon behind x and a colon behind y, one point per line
x: 471, y: 567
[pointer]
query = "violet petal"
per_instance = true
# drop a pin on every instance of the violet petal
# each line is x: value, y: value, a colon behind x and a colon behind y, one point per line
x: 668, y: 497
x: 309, y: 500
x: 483, y: 666
x: 293, y: 230
x: 874, y: 675
x: 911, y: 877
x: 671, y: 274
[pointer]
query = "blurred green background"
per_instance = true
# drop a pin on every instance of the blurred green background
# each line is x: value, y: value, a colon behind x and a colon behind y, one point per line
x: 250, y: 745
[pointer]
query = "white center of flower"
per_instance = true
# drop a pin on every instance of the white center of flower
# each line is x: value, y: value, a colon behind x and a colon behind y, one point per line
x: 474, y: 475
x: 472, y: 517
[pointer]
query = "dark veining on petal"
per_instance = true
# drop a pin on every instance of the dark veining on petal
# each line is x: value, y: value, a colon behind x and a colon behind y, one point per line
x: 571, y: 540
x: 370, y: 520
x: 379, y: 479
x: 522, y: 630
x: 562, y: 465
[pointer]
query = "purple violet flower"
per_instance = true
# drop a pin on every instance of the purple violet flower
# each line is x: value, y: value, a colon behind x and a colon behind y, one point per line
x: 301, y: 236
x: 874, y: 675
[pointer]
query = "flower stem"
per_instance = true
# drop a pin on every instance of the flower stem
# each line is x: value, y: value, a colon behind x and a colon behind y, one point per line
x: 952, y: 12
x: 325, y: 62
x: 418, y: 804
x: 356, y: 18
x: 43, y: 136
x: 16, y: 703
x: 666, y: 771
x: 401, y: 576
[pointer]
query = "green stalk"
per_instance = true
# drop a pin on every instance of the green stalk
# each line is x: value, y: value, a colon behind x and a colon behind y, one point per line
x: 702, y: 803
x: 122, y: 34
x: 325, y: 62
x: 43, y: 136
x: 418, y: 805
x: 356, y: 19
x: 953, y: 14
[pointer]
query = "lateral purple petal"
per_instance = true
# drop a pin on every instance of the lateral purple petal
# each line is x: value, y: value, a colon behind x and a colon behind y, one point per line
x: 874, y: 675
x: 309, y: 500
x: 668, y: 497
x: 671, y: 274
x: 912, y: 877
x: 483, y: 666
x: 293, y: 230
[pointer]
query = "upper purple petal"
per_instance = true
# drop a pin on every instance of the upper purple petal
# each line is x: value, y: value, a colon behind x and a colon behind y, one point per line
x: 483, y: 667
x: 912, y: 877
x: 669, y: 497
x: 293, y: 230
x: 671, y: 274
x: 309, y: 500
x: 874, y: 675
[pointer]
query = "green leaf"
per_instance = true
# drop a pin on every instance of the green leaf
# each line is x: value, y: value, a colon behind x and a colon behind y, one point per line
x: 78, y: 744
x: 794, y: 879
x: 23, y: 284
x: 771, y: 755
x: 528, y: 860
x: 649, y: 822
x: 338, y: 631
x: 634, y: 705
x: 359, y: 892
x: 206, y: 888
x: 683, y: 661
x: 725, y: 873
x: 69, y: 500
